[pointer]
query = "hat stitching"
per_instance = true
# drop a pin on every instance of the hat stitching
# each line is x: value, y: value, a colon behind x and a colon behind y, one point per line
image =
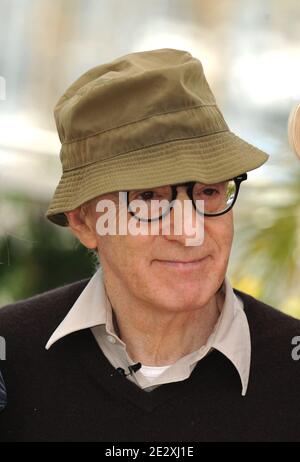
x: 138, y: 120
x: 144, y: 147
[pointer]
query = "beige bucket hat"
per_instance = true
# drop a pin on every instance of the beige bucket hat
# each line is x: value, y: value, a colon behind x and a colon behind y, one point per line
x: 145, y: 119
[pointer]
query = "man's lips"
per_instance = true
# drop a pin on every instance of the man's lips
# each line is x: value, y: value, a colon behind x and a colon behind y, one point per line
x: 181, y: 264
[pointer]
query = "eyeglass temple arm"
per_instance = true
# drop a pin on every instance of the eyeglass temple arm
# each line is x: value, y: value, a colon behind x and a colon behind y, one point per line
x: 241, y: 177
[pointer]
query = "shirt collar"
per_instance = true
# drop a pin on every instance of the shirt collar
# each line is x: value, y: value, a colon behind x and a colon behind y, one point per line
x: 90, y: 309
x: 231, y: 334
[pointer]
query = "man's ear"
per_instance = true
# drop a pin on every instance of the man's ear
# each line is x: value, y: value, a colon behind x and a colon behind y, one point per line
x: 82, y: 227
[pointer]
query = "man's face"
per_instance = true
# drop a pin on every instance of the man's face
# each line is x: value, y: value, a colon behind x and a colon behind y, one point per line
x: 140, y: 264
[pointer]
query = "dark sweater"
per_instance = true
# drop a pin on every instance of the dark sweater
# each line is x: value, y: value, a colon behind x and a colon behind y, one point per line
x: 3, y: 397
x: 72, y: 393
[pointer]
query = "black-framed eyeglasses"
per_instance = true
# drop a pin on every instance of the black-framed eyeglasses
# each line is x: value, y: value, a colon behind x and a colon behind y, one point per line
x: 154, y: 203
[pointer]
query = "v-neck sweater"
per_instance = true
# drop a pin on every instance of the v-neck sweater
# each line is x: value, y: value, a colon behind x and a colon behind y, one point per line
x: 72, y: 392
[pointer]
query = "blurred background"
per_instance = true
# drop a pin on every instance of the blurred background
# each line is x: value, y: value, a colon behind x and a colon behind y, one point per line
x: 251, y: 55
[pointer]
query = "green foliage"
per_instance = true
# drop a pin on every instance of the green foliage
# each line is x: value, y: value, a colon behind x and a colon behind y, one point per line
x: 269, y: 247
x: 38, y: 256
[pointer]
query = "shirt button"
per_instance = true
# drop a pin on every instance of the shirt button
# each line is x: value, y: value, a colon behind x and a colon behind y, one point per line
x: 111, y: 339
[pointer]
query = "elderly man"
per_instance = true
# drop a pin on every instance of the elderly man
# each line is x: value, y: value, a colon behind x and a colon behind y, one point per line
x: 156, y: 346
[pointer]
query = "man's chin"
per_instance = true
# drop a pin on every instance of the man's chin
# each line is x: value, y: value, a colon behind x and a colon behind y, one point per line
x: 184, y: 296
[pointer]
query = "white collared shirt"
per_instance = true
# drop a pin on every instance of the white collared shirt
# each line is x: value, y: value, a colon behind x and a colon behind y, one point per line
x: 230, y: 336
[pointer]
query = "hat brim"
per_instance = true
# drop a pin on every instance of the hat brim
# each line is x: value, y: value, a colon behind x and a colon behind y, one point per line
x: 207, y: 159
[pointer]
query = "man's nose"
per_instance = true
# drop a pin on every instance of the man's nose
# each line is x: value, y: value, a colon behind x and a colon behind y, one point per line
x: 184, y: 219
